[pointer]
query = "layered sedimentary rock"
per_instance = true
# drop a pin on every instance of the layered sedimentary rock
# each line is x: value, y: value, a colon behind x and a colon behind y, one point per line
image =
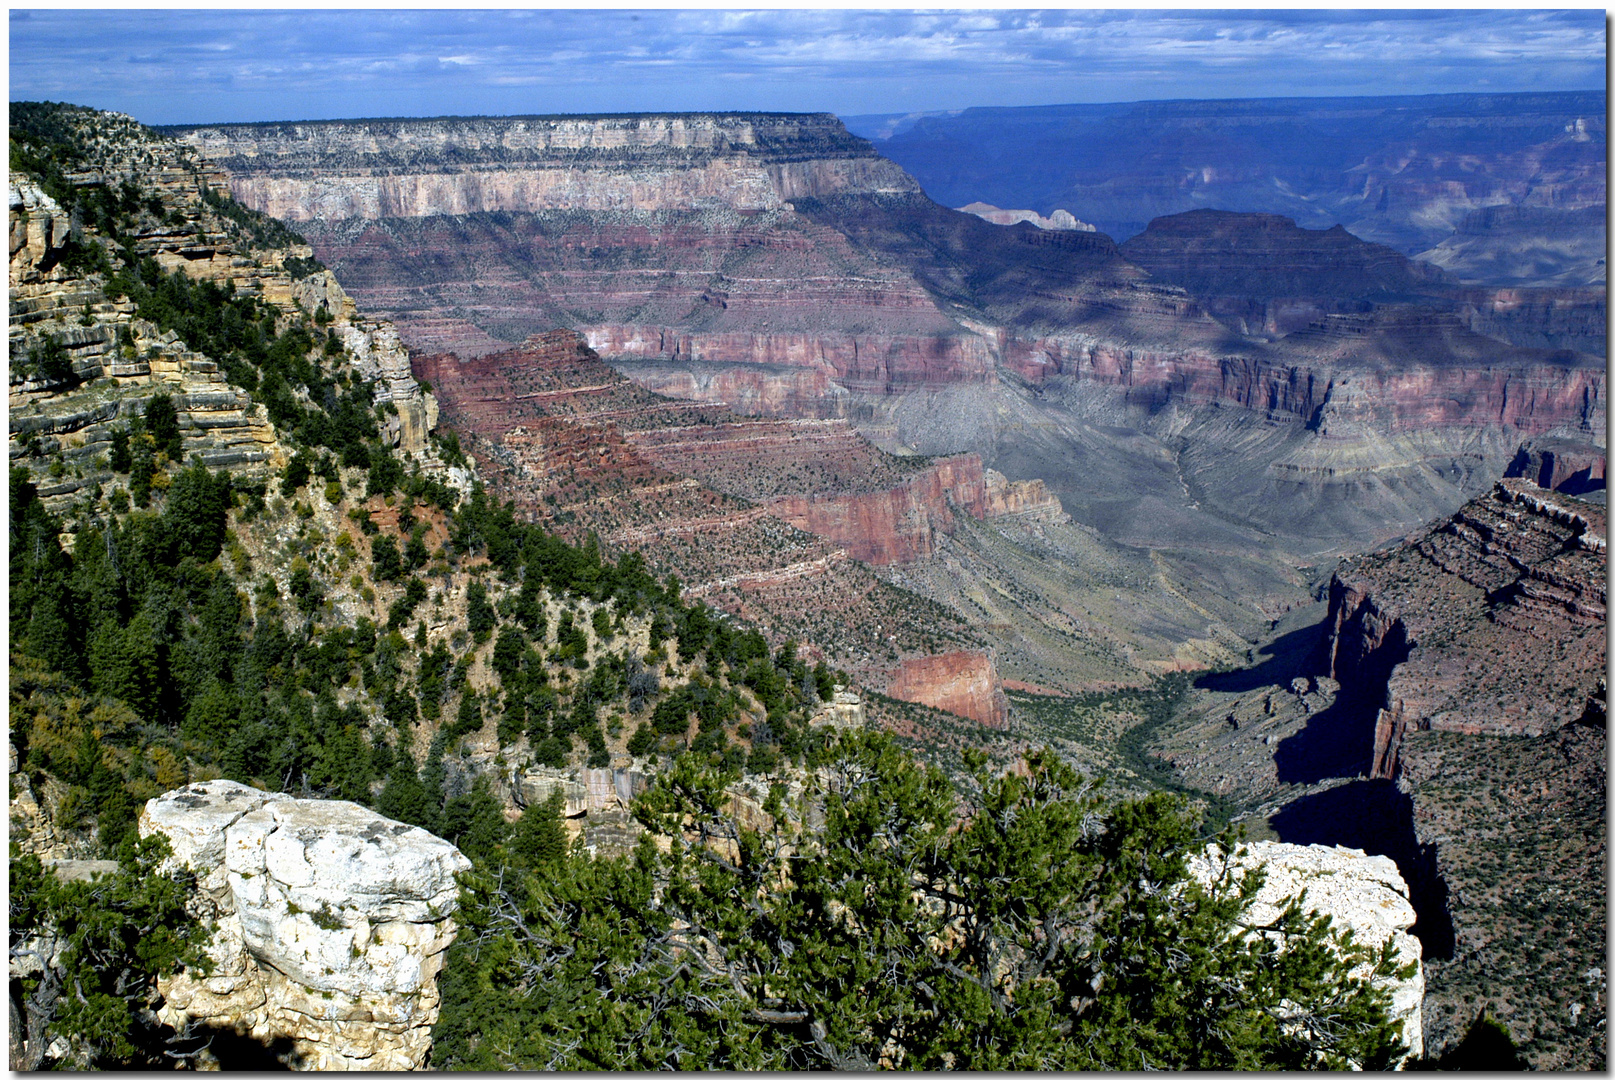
x: 1361, y: 893
x: 1572, y: 467
x: 1265, y: 275
x: 1262, y: 275
x: 1526, y: 245
x: 1491, y: 622
x: 1226, y: 457
x: 413, y: 168
x: 899, y: 525
x: 583, y: 448
x: 864, y: 299
x: 329, y: 925
x: 120, y: 360
x: 963, y: 683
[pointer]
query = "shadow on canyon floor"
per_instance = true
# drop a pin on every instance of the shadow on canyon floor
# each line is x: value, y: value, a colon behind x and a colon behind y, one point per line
x: 1285, y: 657
x: 1337, y: 741
x: 1374, y: 816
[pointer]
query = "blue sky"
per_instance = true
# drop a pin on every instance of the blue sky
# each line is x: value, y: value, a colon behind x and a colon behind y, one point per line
x: 198, y: 65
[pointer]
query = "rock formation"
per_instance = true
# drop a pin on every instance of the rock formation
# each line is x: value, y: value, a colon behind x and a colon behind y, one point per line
x: 1361, y: 893
x: 396, y: 168
x: 1472, y: 661
x: 120, y: 360
x: 963, y: 683
x: 330, y: 923
x: 1403, y: 171
x: 691, y: 487
x: 1522, y: 245
x: 1059, y: 219
x: 1491, y: 622
x: 1572, y: 467
x: 844, y: 710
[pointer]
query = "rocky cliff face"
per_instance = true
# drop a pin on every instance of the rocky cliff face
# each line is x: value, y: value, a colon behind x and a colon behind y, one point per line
x: 120, y: 360
x: 1471, y: 661
x: 1489, y: 623
x: 329, y: 925
x: 693, y: 489
x: 418, y: 168
x: 1574, y: 468
x: 962, y: 683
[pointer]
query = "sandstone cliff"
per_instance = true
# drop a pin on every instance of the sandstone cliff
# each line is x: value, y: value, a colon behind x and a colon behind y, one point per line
x: 329, y: 925
x: 397, y: 168
x: 962, y: 683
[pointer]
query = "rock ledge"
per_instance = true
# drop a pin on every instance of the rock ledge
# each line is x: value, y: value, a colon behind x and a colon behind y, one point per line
x: 330, y: 923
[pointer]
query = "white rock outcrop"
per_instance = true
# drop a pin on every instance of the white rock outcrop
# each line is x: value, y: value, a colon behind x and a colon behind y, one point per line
x: 330, y: 923
x: 1364, y: 893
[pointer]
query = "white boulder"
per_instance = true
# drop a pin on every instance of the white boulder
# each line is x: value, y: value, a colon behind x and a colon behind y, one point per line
x: 330, y: 923
x: 1364, y: 893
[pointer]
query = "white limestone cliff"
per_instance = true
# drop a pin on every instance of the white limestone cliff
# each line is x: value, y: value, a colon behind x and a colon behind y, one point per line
x: 330, y: 923
x: 1363, y: 893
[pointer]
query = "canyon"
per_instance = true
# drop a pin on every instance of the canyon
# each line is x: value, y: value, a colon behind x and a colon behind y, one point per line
x: 1444, y: 705
x: 1402, y: 171
x: 1224, y: 451
x: 953, y: 456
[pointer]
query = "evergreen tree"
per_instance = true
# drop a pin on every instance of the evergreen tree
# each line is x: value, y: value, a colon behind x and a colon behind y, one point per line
x: 1034, y: 926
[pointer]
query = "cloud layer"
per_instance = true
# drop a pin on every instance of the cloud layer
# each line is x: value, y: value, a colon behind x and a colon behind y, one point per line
x: 183, y: 66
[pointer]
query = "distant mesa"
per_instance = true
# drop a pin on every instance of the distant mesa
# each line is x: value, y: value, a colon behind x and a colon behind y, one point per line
x: 1060, y: 219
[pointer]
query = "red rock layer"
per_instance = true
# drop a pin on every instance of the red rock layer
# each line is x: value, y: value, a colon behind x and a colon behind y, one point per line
x: 576, y: 445
x: 897, y: 525
x: 963, y: 683
x: 1492, y: 622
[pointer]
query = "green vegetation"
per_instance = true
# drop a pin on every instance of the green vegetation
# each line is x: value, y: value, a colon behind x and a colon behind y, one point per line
x: 1051, y: 930
x: 111, y: 939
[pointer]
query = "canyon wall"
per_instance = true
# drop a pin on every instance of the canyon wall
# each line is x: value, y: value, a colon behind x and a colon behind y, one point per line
x: 417, y: 168
x: 1491, y: 622
x: 1561, y: 465
x: 963, y: 683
